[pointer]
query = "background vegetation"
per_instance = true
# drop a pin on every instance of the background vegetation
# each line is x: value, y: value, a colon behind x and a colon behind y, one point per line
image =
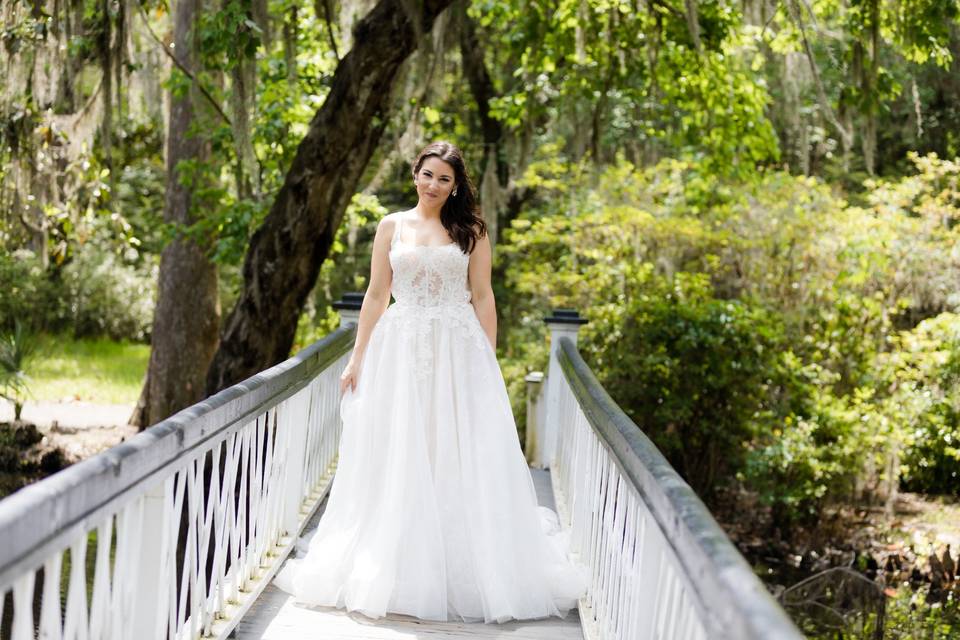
x: 755, y: 204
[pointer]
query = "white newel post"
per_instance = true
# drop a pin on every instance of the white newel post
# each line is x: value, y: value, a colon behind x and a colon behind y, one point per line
x: 563, y: 323
x: 150, y: 601
x: 535, y: 406
x: 349, y: 308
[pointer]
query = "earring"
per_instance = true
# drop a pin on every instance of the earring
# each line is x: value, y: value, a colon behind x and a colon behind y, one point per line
x: 454, y: 192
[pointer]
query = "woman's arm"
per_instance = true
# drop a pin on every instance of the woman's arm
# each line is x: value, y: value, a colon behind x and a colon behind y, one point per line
x: 481, y: 293
x: 375, y: 299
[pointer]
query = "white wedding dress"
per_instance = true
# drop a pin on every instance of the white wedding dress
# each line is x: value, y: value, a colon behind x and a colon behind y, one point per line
x: 432, y: 511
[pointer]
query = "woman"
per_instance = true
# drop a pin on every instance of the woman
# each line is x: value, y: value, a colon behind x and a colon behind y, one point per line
x: 432, y: 511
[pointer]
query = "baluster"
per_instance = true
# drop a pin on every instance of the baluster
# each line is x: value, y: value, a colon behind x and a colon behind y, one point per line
x: 75, y: 625
x: 635, y: 570
x: 685, y: 615
x: 188, y: 604
x: 243, y: 518
x: 204, y: 534
x: 125, y: 570
x: 173, y: 512
x: 215, y: 593
x: 99, y: 613
x: 231, y: 552
x: 50, y: 622
x: 23, y: 607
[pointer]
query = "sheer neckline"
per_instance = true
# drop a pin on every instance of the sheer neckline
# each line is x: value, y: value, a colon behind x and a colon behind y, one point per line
x: 397, y: 239
x: 424, y: 246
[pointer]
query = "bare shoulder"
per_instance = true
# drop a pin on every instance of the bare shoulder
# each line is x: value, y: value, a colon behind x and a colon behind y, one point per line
x: 481, y: 244
x: 388, y: 223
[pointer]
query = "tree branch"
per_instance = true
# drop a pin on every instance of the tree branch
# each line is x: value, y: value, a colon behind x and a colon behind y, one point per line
x: 328, y: 18
x: 182, y: 68
x: 829, y: 113
x: 693, y: 23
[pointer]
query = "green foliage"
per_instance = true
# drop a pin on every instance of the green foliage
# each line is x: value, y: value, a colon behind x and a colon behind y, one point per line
x: 857, y: 384
x: 871, y: 63
x: 687, y: 366
x: 17, y: 348
x: 925, y: 373
x: 27, y: 293
x: 640, y: 73
x: 905, y: 615
x: 136, y: 228
x: 817, y: 447
x: 101, y: 295
x: 690, y: 369
x: 95, y: 293
x: 229, y: 34
x: 225, y: 232
x: 341, y: 271
x: 720, y: 105
x: 750, y: 325
x: 612, y: 222
x: 233, y: 198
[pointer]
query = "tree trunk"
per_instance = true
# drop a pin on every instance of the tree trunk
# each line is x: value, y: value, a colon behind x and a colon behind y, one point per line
x: 187, y: 314
x: 496, y: 170
x: 870, y: 89
x: 286, y: 252
x: 106, y: 66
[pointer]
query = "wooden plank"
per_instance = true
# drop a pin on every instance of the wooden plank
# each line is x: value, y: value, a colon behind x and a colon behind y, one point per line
x: 275, y: 616
x: 541, y: 482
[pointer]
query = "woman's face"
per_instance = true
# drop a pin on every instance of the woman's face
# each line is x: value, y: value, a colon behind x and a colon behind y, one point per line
x: 435, y: 181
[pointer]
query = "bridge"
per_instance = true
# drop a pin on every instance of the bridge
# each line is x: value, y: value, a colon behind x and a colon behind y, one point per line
x: 177, y: 533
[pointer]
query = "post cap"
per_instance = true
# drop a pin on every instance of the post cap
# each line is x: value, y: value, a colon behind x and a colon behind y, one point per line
x: 349, y: 301
x: 565, y: 316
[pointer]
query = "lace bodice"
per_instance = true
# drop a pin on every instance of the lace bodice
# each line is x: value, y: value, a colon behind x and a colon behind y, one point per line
x: 431, y: 289
x: 428, y: 276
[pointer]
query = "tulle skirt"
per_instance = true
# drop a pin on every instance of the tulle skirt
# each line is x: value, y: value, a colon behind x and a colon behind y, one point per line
x: 432, y: 511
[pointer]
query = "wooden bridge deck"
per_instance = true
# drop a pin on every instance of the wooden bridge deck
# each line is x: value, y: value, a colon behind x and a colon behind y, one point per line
x: 275, y: 617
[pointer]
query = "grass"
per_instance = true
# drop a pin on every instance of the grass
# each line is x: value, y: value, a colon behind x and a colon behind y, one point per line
x: 95, y: 370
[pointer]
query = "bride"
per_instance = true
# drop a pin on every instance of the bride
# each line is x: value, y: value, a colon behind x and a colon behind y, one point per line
x: 432, y: 511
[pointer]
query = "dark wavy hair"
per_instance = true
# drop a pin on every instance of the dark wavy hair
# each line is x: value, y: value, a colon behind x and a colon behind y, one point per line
x: 460, y: 214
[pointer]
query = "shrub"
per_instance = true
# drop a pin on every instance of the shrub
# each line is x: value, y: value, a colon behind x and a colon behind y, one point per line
x: 27, y: 293
x: 925, y: 373
x: 96, y: 293
x: 689, y: 369
x: 104, y: 296
x: 751, y: 327
x: 816, y: 447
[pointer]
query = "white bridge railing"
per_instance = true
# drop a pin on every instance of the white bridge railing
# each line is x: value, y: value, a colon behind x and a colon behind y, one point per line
x: 661, y: 565
x: 174, y: 533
